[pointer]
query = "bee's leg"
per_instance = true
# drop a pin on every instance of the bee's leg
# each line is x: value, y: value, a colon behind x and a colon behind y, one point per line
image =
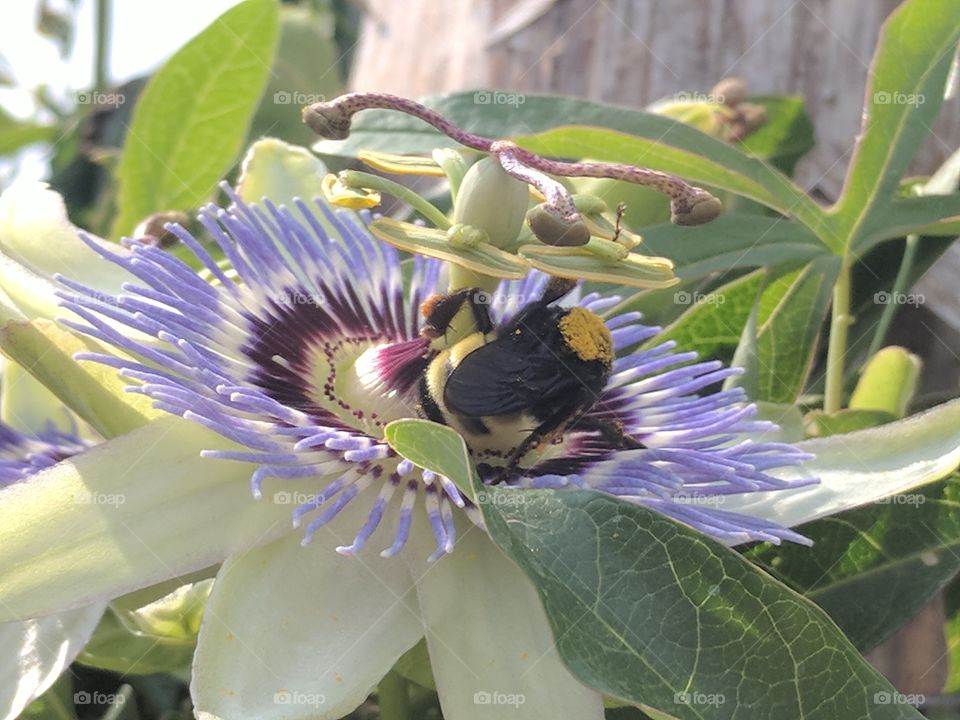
x: 439, y: 310
x: 609, y: 430
x: 517, y: 454
x: 553, y: 425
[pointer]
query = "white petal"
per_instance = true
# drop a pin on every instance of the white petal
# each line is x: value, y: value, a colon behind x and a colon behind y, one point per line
x: 35, y: 652
x: 491, y: 647
x: 862, y: 467
x: 295, y: 632
x: 131, y: 512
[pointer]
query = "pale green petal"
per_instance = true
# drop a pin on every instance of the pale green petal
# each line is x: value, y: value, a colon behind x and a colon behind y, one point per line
x: 131, y: 512
x: 37, y: 240
x: 35, y: 652
x: 28, y: 406
x: 295, y: 632
x: 862, y: 467
x: 35, y: 231
x: 491, y: 647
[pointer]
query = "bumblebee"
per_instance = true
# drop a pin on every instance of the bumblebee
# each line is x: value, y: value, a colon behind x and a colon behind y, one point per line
x: 511, y: 389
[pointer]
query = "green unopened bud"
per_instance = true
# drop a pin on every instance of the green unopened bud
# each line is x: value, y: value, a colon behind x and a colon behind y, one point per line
x: 492, y: 201
x: 888, y: 382
x: 552, y: 229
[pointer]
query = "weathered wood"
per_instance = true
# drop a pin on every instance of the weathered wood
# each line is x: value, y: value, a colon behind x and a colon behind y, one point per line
x: 636, y: 51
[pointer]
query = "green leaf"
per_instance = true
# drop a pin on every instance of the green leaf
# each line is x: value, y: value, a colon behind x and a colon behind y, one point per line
x: 874, y: 567
x: 787, y: 134
x: 191, y: 120
x: 731, y: 242
x: 304, y: 71
x: 614, y: 133
x: 685, y: 152
x: 433, y: 447
x: 15, y: 134
x: 790, y: 315
x: 651, y: 611
x: 951, y: 598
x: 713, y: 321
x: 908, y: 76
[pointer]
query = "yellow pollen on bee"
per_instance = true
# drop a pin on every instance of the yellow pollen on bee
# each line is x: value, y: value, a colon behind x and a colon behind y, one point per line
x: 586, y: 335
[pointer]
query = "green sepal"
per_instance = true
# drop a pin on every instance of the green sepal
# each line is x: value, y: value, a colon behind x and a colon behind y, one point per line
x: 635, y: 270
x: 482, y: 258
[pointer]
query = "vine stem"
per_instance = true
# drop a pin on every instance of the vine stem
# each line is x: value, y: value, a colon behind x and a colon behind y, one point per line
x: 840, y: 321
x: 101, y: 71
x: 899, y: 287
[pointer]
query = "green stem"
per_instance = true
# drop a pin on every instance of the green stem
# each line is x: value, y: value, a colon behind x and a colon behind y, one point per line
x: 368, y: 181
x: 899, y: 287
x: 101, y: 71
x: 393, y: 697
x: 836, y: 350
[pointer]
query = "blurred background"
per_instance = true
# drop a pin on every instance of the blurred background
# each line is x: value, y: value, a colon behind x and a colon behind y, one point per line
x: 71, y: 70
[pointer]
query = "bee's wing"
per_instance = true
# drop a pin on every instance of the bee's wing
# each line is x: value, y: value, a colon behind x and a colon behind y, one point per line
x: 506, y: 376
